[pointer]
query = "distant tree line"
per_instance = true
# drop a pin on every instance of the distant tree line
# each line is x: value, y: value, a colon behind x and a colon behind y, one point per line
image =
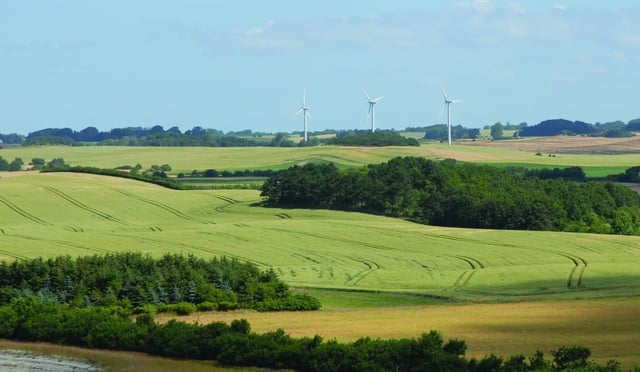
x: 448, y: 193
x: 11, y: 138
x: 228, y: 173
x: 556, y: 127
x: 133, y: 281
x: 368, y: 138
x: 138, y: 136
x: 34, y: 319
x: 441, y: 132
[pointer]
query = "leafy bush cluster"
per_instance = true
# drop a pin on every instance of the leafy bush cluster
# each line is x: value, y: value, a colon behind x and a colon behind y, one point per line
x: 174, y: 283
x: 13, y: 166
x: 448, y: 193
x: 34, y: 319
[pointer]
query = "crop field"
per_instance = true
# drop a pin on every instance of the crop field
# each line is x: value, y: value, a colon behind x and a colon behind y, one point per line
x: 185, y: 160
x: 44, y: 215
x: 502, y: 291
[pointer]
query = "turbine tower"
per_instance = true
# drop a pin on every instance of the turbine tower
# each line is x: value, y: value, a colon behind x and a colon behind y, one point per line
x: 372, y: 112
x: 305, y: 113
x: 447, y: 104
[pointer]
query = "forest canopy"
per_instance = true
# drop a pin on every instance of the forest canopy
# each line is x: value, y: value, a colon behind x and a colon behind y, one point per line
x: 449, y: 193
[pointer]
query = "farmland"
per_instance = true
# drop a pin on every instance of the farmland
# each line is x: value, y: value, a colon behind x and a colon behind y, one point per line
x: 88, y: 214
x: 409, y: 265
x: 187, y: 159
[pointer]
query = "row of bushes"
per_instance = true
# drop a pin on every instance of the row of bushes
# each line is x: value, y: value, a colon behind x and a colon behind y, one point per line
x: 158, y: 180
x: 32, y: 319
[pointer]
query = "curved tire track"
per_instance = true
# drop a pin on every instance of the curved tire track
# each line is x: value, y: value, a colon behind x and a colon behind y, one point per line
x: 577, y: 271
x: 371, y: 268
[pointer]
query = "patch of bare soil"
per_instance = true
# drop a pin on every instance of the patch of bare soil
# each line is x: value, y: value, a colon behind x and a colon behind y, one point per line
x: 567, y: 145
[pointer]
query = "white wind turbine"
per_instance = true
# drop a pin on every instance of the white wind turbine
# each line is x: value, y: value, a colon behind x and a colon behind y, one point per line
x: 305, y: 113
x: 447, y: 104
x: 372, y: 112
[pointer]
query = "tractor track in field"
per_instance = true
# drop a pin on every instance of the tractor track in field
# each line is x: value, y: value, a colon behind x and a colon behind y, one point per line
x: 306, y: 258
x: 333, y: 238
x: 226, y: 199
x: 83, y: 206
x: 196, y: 248
x: 463, y: 279
x: 74, y: 228
x: 423, y: 266
x: 64, y: 243
x: 472, y: 262
x: 13, y: 254
x: 360, y: 275
x: 577, y: 271
x: 22, y: 212
x: 162, y: 206
x: 226, y: 235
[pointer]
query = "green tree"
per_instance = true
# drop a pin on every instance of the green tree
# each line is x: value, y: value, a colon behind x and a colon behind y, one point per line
x: 16, y: 165
x: 497, y: 131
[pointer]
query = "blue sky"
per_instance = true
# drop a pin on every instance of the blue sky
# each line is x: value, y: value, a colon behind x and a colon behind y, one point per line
x: 234, y: 65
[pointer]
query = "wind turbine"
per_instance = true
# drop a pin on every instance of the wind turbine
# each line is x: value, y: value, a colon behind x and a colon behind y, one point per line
x: 447, y: 104
x: 305, y: 113
x: 372, y: 112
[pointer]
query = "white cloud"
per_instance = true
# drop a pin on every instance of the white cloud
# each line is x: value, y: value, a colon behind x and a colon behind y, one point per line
x: 482, y: 6
x: 478, y: 23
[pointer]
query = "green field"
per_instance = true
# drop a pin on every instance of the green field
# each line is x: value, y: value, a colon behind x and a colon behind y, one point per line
x: 372, y: 273
x: 77, y: 214
x: 186, y: 159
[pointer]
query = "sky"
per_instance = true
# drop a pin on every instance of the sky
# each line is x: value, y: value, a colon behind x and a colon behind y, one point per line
x: 239, y: 64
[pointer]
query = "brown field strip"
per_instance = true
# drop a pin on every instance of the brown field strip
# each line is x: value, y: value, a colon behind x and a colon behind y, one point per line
x: 611, y: 328
x: 119, y: 360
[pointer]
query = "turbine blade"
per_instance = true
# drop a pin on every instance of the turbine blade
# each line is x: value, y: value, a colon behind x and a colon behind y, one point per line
x: 442, y: 111
x: 309, y: 115
x: 366, y: 95
x: 456, y: 101
x: 376, y: 100
x: 298, y: 113
x: 444, y: 93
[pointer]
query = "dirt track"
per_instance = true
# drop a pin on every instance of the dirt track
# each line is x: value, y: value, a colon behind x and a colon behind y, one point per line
x: 567, y: 144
